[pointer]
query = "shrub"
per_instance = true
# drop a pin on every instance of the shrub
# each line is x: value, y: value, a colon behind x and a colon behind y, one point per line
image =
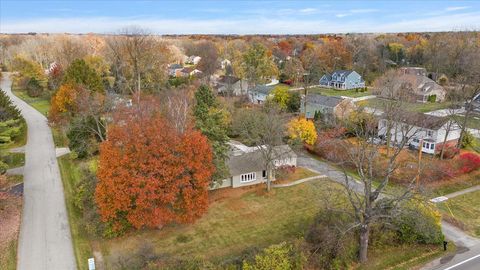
x: 432, y: 98
x: 469, y: 162
x: 450, y: 152
x: 467, y: 139
x: 3, y: 167
x: 277, y: 257
x: 330, y: 246
x: 419, y: 222
x: 34, y: 89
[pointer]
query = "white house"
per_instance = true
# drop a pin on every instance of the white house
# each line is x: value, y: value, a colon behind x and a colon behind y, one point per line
x: 415, y: 128
x: 260, y: 93
x: 193, y: 60
x: 247, y: 167
x: 231, y: 85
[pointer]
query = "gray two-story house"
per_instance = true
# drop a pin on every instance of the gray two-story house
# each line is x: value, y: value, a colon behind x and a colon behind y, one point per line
x: 342, y: 80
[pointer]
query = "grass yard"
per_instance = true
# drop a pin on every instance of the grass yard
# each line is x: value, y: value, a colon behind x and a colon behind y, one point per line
x: 332, y: 92
x: 299, y: 173
x: 41, y: 104
x: 456, y: 184
x: 14, y: 160
x: 464, y: 209
x: 379, y: 103
x: 403, y: 257
x: 235, y: 224
x: 70, y: 177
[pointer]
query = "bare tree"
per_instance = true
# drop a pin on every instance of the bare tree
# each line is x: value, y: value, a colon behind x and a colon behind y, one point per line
x: 265, y: 130
x: 139, y: 60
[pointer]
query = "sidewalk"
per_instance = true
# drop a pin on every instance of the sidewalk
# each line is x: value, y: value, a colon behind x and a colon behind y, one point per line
x: 299, y: 181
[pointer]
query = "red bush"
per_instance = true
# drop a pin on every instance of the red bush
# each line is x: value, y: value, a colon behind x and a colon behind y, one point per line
x: 469, y: 162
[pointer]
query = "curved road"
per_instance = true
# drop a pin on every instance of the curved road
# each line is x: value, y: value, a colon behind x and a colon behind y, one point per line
x: 45, y: 242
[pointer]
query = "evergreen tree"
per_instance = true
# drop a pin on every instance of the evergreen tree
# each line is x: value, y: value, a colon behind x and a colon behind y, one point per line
x: 211, y: 120
x: 81, y: 74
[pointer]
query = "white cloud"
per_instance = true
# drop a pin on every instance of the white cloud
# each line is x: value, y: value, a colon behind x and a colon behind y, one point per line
x: 365, y: 10
x: 456, y: 8
x: 341, y: 15
x: 308, y: 10
x: 273, y: 25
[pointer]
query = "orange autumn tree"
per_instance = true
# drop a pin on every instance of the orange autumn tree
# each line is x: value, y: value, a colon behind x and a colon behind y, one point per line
x: 150, y: 175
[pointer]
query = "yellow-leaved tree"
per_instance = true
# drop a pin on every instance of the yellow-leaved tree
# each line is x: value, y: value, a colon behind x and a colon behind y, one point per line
x: 302, y: 130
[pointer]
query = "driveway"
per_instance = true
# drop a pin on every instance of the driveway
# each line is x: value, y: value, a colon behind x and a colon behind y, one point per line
x: 45, y: 242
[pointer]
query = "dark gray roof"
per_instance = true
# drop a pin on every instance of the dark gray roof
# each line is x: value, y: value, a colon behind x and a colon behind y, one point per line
x: 264, y: 89
x: 342, y: 72
x: 228, y: 79
x: 421, y: 120
x: 175, y: 66
x: 327, y: 101
x: 253, y: 161
x: 328, y: 76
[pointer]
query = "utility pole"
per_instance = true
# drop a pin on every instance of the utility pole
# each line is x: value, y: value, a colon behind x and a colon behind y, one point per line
x: 420, y: 147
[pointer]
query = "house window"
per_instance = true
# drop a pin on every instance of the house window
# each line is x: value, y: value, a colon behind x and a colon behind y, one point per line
x: 264, y: 174
x: 428, y: 145
x: 432, y: 146
x: 429, y: 133
x: 248, y: 177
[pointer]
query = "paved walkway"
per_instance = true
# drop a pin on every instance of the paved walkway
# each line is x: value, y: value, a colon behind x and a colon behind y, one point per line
x: 461, y: 192
x: 299, y: 181
x: 15, y: 171
x: 45, y: 241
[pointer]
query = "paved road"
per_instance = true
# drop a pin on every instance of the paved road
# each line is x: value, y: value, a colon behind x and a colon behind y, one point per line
x: 45, y: 242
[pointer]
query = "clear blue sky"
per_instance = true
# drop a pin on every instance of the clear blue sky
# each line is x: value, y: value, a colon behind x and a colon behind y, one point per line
x: 238, y: 17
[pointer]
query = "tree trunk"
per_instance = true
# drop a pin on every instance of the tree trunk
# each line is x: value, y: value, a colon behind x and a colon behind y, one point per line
x: 269, y: 178
x: 364, y: 235
x: 444, y: 142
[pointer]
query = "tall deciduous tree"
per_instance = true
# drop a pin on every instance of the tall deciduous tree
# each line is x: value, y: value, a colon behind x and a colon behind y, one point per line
x: 258, y: 64
x: 265, y: 130
x: 139, y: 61
x: 212, y: 121
x: 150, y: 175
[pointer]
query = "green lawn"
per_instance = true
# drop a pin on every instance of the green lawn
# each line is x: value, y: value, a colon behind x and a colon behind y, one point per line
x: 459, y: 183
x: 333, y: 92
x: 380, y: 103
x: 41, y: 104
x: 403, y: 257
x: 466, y: 210
x: 70, y: 177
x: 14, y: 160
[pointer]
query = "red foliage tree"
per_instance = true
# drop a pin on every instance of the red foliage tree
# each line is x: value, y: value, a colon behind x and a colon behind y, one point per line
x: 150, y: 175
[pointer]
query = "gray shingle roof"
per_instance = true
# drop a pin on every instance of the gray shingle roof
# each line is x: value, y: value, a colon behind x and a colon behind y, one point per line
x: 253, y: 161
x: 327, y: 101
x: 263, y: 89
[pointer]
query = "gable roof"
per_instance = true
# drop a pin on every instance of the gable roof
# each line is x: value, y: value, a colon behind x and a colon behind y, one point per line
x: 422, y: 120
x: 342, y: 72
x: 175, y: 66
x: 420, y: 84
x: 321, y: 100
x: 263, y: 89
x: 228, y: 79
x: 243, y: 159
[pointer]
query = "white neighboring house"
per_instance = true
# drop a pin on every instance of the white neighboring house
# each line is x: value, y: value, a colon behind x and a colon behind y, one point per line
x: 190, y: 72
x: 193, y: 60
x: 417, y: 127
x: 225, y: 63
x: 260, y: 93
x: 247, y: 167
x: 231, y: 85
